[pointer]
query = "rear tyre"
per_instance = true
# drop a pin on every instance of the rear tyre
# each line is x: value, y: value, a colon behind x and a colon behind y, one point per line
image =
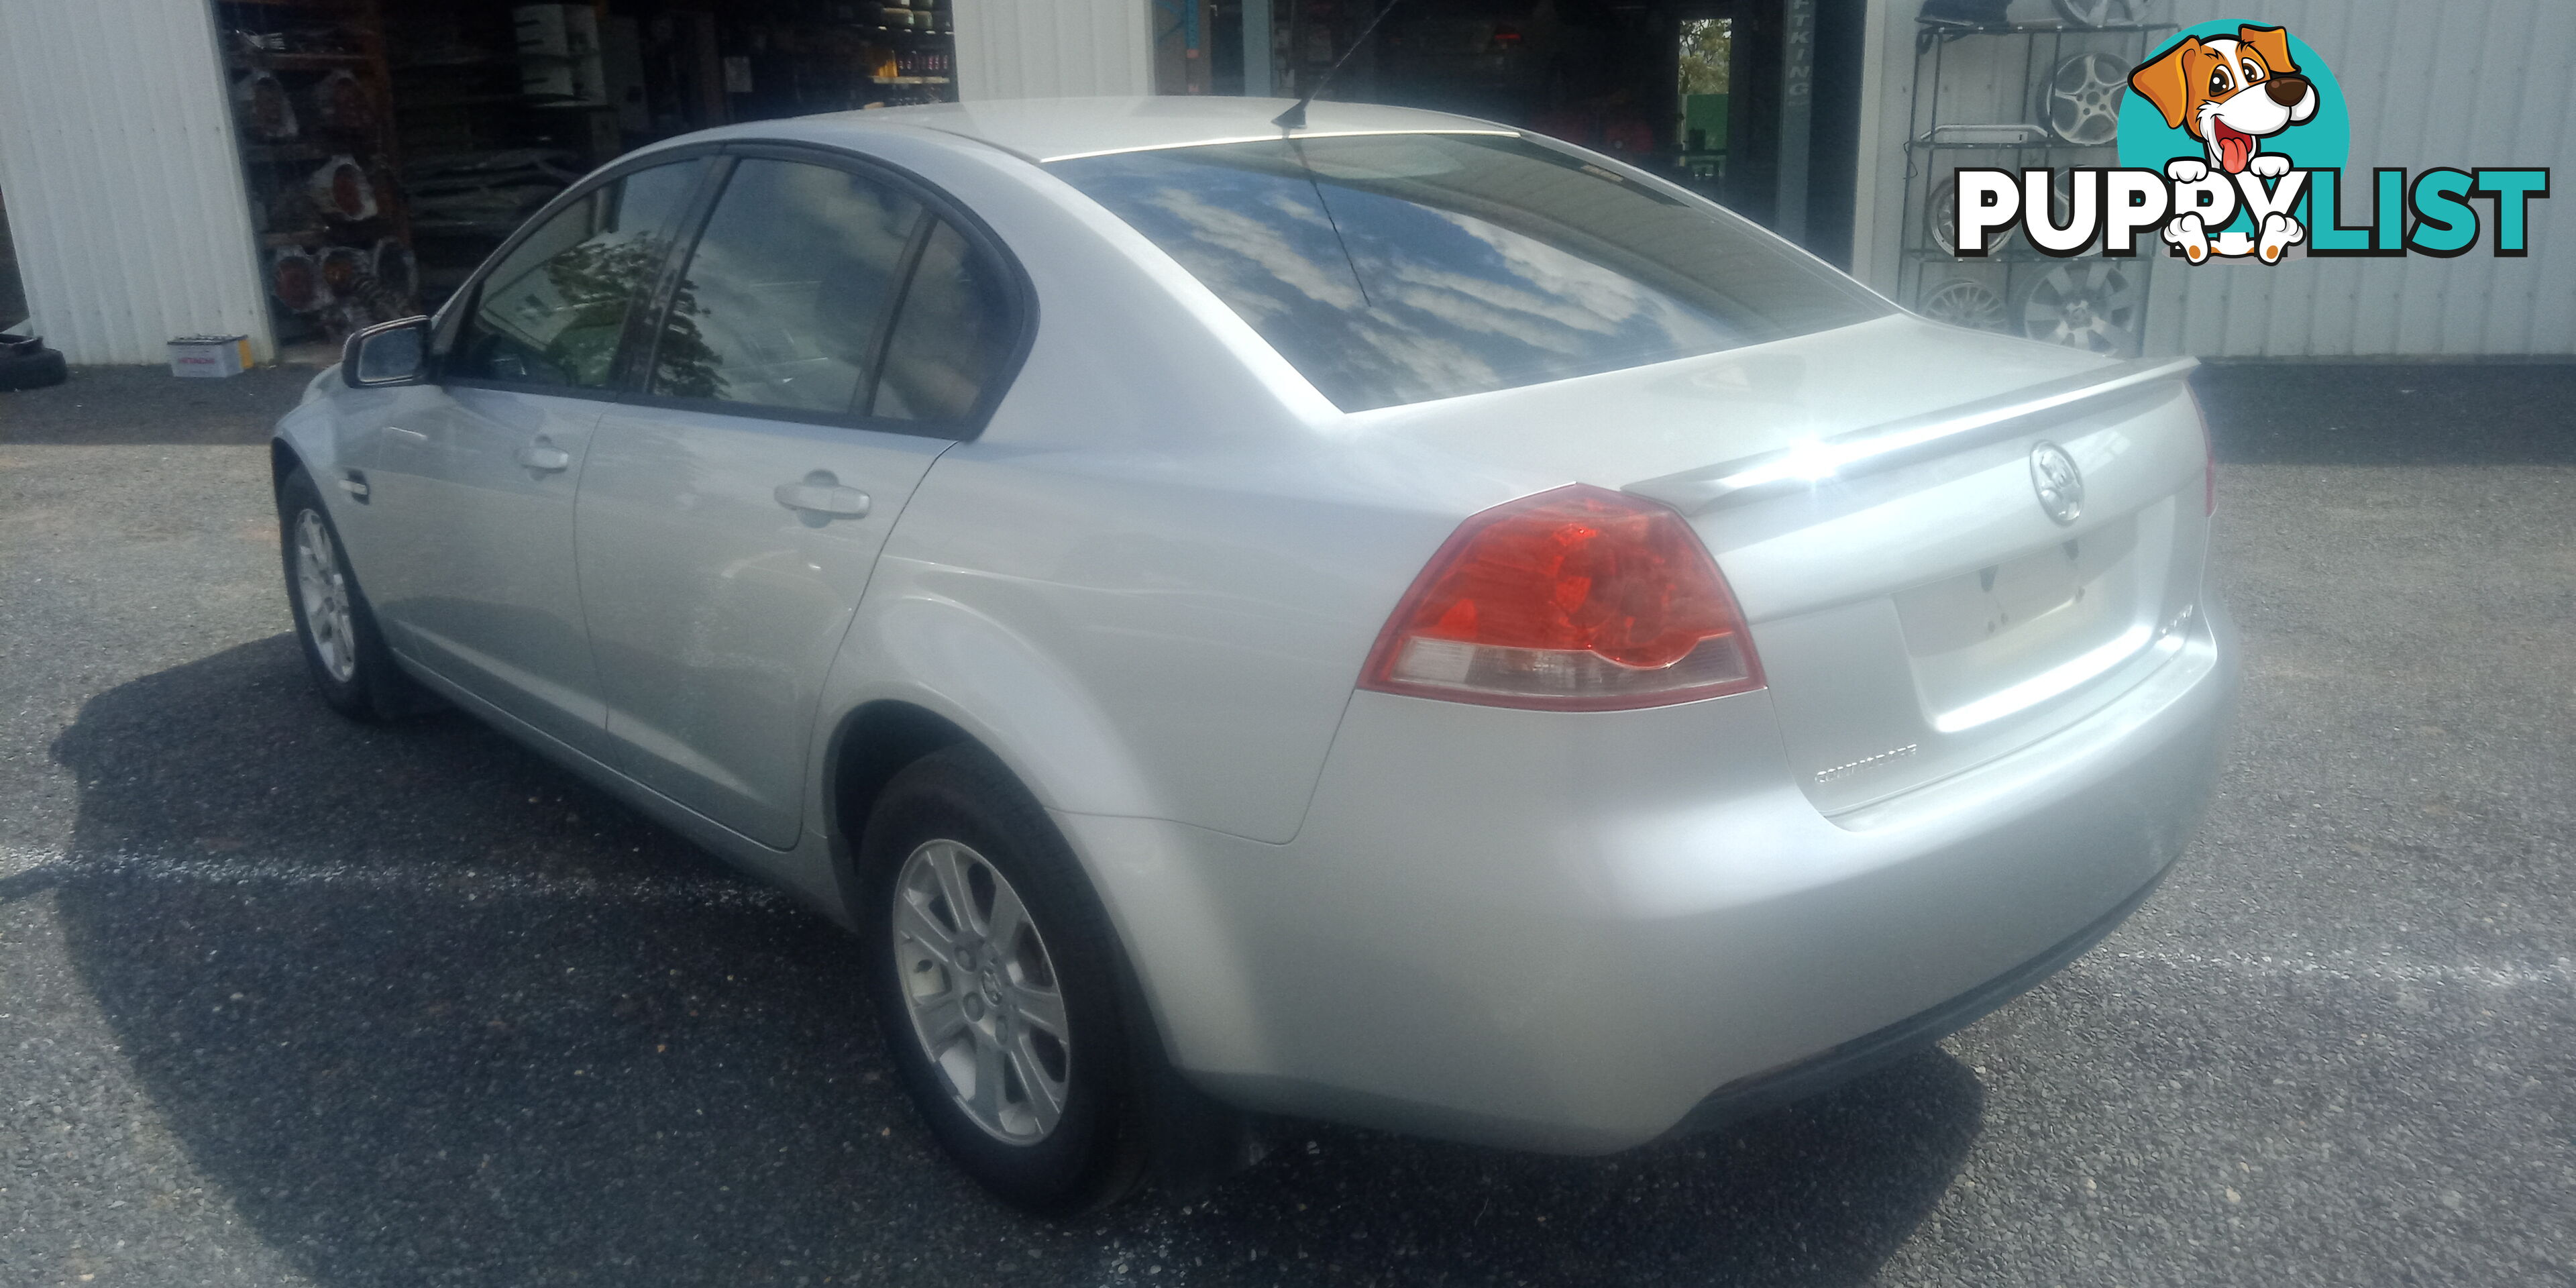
x: 994, y: 976
x: 336, y: 628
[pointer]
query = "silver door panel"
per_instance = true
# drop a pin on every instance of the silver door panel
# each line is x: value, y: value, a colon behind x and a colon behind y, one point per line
x: 474, y: 490
x: 720, y: 559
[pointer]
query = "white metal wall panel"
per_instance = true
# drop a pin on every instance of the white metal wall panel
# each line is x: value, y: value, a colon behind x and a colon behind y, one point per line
x: 2466, y: 83
x: 1052, y: 48
x: 124, y: 182
x: 2476, y: 83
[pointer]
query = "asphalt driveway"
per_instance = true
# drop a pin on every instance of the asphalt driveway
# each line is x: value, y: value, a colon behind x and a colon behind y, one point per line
x: 284, y: 1000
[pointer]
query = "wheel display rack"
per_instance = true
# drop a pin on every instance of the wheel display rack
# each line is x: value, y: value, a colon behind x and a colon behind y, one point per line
x: 2061, y: 82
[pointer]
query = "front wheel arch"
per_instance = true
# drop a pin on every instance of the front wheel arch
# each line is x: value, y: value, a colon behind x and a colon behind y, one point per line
x: 376, y: 689
x: 282, y: 461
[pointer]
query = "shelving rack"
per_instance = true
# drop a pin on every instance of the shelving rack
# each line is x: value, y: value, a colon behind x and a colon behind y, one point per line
x: 469, y: 127
x: 351, y: 40
x: 2015, y: 278
x: 929, y: 47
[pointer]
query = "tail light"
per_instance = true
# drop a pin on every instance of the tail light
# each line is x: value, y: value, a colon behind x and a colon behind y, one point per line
x: 1506, y: 36
x: 1579, y: 599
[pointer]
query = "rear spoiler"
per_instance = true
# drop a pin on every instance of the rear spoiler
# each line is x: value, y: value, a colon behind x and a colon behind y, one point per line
x: 1885, y: 446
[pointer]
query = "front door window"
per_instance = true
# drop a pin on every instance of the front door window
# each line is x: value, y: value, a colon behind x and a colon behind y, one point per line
x: 550, y: 314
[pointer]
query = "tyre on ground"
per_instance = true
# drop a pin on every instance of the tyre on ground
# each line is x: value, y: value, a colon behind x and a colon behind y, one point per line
x: 334, y: 625
x: 995, y: 978
x: 27, y: 365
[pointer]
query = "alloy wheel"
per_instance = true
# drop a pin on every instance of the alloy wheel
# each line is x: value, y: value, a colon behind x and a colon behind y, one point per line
x: 982, y: 991
x: 325, y: 594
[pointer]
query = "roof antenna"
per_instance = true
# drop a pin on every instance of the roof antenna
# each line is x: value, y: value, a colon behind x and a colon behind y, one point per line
x: 1295, y: 117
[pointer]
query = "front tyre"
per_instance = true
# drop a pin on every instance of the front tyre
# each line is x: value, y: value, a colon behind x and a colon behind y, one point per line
x: 994, y: 979
x: 343, y: 649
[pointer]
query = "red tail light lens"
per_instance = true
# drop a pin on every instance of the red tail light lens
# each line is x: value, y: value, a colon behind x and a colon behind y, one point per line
x: 1507, y: 36
x: 1580, y: 599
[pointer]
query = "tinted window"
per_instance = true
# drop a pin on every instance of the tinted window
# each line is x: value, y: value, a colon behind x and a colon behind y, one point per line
x: 950, y: 335
x: 1398, y: 268
x: 551, y: 312
x: 788, y: 290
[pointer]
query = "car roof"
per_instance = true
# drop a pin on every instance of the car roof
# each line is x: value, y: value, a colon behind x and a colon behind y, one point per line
x: 1055, y: 129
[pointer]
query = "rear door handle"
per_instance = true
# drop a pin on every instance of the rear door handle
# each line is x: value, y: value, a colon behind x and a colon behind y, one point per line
x: 545, y: 457
x: 821, y: 494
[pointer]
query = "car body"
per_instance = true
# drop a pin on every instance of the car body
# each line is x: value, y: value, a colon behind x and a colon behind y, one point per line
x: 1149, y: 566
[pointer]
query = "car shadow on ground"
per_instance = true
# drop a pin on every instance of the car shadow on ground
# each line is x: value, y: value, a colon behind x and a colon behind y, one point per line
x: 430, y: 1009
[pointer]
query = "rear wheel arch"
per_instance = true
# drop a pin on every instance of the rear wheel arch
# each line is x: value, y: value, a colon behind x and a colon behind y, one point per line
x: 872, y: 744
x: 881, y: 736
x: 1190, y: 1140
x: 1094, y: 1148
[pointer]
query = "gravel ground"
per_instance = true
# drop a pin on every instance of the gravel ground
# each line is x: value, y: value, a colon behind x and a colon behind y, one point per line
x: 288, y: 1001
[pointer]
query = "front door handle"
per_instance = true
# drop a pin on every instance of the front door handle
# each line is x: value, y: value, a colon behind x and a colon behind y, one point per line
x: 822, y: 496
x: 402, y: 435
x: 544, y: 457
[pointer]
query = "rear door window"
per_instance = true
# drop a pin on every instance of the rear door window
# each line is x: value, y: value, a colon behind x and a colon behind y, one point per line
x: 789, y: 290
x: 1401, y: 268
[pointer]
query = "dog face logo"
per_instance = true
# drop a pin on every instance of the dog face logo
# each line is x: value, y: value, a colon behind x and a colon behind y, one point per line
x: 2230, y: 94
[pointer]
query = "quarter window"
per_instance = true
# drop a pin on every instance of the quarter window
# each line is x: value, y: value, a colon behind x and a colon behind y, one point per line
x: 551, y: 312
x: 951, y: 335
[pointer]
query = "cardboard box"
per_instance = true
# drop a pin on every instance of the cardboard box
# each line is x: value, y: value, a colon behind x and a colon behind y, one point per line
x: 209, y: 356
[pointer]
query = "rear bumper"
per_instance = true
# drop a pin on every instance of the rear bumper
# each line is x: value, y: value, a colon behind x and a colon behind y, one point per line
x: 1761, y: 1093
x: 1576, y: 933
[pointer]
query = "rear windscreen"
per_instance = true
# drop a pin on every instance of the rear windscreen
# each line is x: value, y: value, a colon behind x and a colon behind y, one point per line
x: 1405, y: 267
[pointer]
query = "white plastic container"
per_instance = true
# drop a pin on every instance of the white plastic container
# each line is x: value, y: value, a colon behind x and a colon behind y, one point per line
x: 209, y: 356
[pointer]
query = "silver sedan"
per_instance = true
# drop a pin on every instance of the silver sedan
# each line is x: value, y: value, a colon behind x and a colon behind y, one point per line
x: 1395, y: 620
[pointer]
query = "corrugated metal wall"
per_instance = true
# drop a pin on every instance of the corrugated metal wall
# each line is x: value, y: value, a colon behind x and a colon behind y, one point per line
x: 124, y: 182
x: 1052, y: 48
x: 2469, y: 83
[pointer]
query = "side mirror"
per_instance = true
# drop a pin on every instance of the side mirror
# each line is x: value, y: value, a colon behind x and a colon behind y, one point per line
x: 389, y: 353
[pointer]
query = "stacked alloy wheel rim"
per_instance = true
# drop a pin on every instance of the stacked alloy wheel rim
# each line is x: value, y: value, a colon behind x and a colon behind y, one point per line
x: 2102, y: 13
x: 2097, y: 305
x: 2080, y: 100
x: 1964, y: 302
